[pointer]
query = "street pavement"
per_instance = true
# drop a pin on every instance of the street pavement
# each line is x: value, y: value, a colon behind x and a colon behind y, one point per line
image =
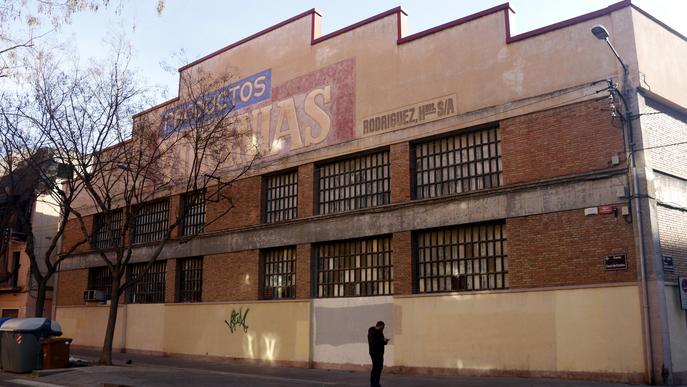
x: 171, y: 371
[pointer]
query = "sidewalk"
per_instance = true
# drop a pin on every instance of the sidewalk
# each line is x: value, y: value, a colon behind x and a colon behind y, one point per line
x: 170, y: 371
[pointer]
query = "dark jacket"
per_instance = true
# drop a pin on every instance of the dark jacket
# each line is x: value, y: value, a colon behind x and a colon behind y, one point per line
x: 376, y: 341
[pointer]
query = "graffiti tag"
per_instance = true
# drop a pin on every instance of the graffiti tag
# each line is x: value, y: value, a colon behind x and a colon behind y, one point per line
x: 238, y: 319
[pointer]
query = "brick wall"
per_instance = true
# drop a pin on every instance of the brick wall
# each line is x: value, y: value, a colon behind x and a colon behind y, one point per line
x: 306, y: 190
x: 402, y: 256
x: 71, y: 285
x: 671, y: 230
x: 170, y: 280
x: 231, y: 276
x: 663, y: 129
x: 303, y: 277
x: 72, y: 234
x: 174, y: 212
x: 567, y: 140
x: 567, y: 248
x: 246, y: 197
x: 400, y: 172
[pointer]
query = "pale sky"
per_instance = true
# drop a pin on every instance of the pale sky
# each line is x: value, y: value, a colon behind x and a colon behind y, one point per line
x: 201, y: 27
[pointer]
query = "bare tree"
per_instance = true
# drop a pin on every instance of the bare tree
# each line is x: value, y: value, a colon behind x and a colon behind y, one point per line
x: 24, y: 22
x: 196, y: 149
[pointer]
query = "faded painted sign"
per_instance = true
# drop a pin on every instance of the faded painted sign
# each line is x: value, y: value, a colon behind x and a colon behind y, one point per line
x: 233, y: 97
x: 419, y: 113
x: 312, y: 110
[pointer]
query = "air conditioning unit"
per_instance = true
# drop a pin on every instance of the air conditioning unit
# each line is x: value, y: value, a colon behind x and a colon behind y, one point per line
x: 94, y: 296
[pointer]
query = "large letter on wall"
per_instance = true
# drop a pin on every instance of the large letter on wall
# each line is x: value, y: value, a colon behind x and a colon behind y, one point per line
x: 318, y: 114
x: 287, y: 109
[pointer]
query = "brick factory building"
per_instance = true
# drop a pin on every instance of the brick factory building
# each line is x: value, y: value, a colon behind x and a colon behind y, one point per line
x: 470, y: 187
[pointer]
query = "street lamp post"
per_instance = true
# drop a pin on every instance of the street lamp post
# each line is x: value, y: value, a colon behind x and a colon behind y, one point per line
x: 601, y: 33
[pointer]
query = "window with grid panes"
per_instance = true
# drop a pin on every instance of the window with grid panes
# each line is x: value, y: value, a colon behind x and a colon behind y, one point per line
x: 360, y: 267
x: 279, y: 273
x: 107, y: 229
x: 151, y: 221
x: 193, y: 220
x: 460, y: 163
x: 281, y: 197
x: 463, y: 258
x: 354, y: 183
x: 189, y: 279
x: 100, y: 278
x: 150, y: 289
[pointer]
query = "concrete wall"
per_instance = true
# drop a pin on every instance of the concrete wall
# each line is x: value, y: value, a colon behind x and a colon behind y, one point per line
x: 340, y: 328
x: 664, y: 76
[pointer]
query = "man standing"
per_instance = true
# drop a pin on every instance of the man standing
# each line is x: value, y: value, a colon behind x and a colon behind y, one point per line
x: 376, y: 341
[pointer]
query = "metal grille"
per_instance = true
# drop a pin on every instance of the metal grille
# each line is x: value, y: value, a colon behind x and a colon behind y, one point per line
x: 461, y: 163
x: 360, y: 267
x: 281, y: 197
x: 107, y: 231
x: 151, y: 287
x: 471, y: 257
x: 100, y: 278
x: 351, y: 184
x: 190, y: 277
x: 151, y: 221
x: 279, y: 268
x: 193, y: 221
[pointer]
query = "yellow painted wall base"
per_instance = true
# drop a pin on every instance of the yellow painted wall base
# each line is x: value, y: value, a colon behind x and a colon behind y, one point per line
x: 677, y: 326
x: 580, y: 330
x: 574, y: 332
x: 276, y: 331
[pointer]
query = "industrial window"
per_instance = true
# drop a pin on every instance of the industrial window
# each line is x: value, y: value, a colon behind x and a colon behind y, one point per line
x: 193, y: 220
x: 460, y: 163
x: 190, y: 279
x: 471, y: 257
x: 279, y: 273
x: 281, y: 199
x: 150, y: 289
x: 107, y: 229
x: 354, y: 183
x: 100, y: 278
x: 151, y: 221
x: 360, y: 267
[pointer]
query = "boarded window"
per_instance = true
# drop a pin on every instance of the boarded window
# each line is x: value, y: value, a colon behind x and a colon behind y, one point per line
x: 279, y: 273
x: 150, y: 289
x: 107, y: 229
x: 470, y: 257
x: 151, y: 221
x: 281, y: 197
x: 190, y: 279
x: 354, y: 183
x: 459, y: 163
x: 360, y: 267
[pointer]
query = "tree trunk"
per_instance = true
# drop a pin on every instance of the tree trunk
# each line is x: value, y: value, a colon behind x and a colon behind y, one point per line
x: 106, y: 354
x: 40, y: 298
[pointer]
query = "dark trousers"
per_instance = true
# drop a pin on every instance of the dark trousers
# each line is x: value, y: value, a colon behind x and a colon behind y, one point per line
x: 377, y: 365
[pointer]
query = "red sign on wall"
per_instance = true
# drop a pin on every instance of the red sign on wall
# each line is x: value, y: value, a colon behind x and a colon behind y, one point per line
x: 605, y: 210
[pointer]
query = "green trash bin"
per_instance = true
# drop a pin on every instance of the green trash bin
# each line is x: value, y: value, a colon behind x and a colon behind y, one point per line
x: 20, y: 348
